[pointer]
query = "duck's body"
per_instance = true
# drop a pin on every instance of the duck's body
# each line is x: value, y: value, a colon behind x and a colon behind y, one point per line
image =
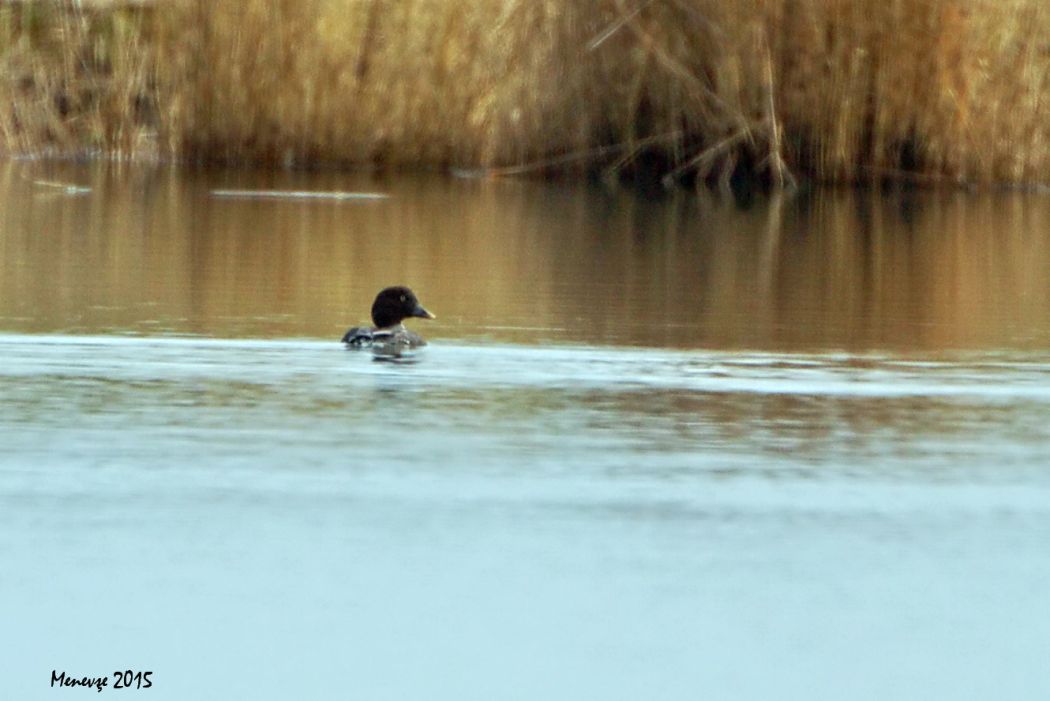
x: 392, y: 306
x: 360, y: 336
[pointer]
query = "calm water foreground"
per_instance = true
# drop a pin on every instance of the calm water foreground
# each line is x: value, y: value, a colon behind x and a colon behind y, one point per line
x: 666, y: 449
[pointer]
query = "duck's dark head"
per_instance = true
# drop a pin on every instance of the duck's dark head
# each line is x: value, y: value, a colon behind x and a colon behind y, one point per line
x: 394, y: 304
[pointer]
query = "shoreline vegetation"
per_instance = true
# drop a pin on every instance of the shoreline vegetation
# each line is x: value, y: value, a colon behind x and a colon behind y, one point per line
x: 674, y: 91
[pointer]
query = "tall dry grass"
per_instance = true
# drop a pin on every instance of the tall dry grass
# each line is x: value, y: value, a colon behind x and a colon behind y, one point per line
x: 76, y: 79
x: 837, y: 90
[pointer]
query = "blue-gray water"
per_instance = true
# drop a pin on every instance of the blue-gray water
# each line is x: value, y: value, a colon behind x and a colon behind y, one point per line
x: 795, y: 495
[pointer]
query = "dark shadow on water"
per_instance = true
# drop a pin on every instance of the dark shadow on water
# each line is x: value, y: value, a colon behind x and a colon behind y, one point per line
x: 395, y: 357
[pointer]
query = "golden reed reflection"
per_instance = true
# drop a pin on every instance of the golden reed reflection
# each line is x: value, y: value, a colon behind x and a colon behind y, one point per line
x: 149, y: 250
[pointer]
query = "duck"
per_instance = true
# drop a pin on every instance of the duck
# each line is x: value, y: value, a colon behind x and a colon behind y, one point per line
x: 391, y: 306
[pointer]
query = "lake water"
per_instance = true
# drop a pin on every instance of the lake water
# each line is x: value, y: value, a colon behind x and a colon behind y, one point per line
x: 658, y: 447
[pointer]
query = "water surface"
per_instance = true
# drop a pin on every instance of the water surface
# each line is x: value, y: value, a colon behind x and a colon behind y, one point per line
x: 658, y: 448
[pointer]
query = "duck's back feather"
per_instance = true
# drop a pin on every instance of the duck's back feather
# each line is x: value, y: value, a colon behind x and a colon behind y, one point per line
x: 358, y: 336
x: 398, y: 335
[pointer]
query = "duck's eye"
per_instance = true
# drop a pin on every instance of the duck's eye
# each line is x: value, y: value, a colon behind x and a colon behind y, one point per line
x: 403, y: 298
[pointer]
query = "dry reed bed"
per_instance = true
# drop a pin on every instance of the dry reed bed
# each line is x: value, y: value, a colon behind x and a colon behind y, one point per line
x: 837, y: 90
x: 76, y: 81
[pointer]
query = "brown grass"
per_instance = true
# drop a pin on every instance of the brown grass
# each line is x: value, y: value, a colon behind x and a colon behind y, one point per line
x: 75, y: 81
x: 837, y: 90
